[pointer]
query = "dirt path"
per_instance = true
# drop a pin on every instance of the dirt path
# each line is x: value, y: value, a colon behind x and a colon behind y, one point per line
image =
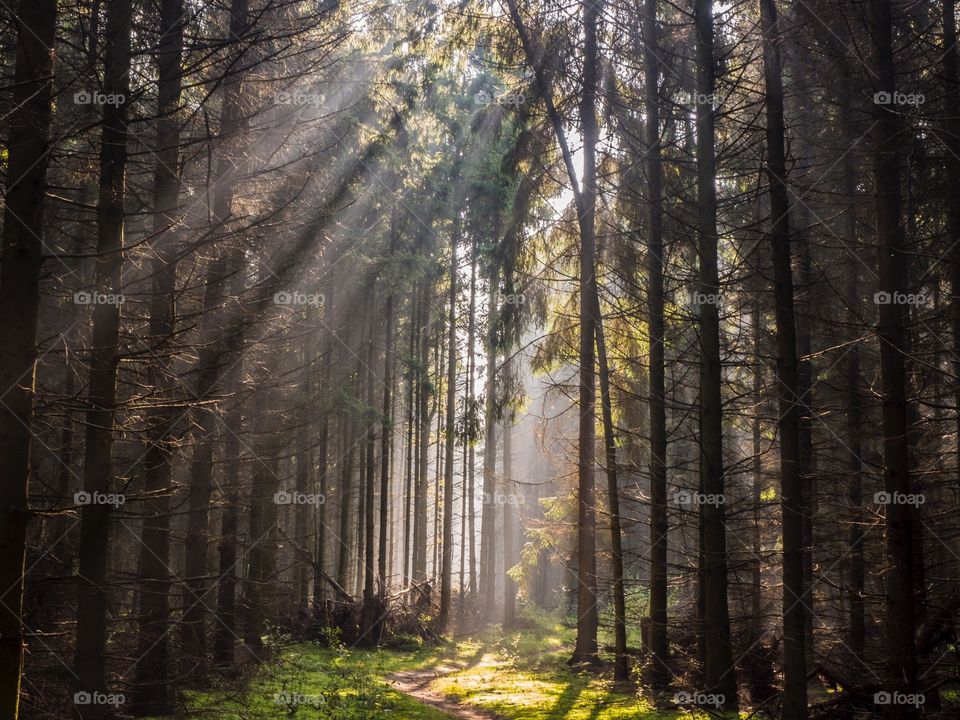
x: 415, y: 683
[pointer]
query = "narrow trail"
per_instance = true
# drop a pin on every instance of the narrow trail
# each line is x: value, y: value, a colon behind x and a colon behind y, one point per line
x: 416, y: 684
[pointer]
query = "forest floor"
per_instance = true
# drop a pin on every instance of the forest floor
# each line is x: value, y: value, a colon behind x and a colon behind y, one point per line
x: 520, y: 674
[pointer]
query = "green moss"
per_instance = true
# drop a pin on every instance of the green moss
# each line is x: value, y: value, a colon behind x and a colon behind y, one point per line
x: 521, y: 675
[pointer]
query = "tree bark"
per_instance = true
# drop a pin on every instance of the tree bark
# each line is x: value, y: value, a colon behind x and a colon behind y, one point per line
x: 488, y: 518
x: 213, y: 358
x: 719, y: 671
x: 892, y: 267
x: 791, y: 470
x: 90, y: 661
x: 585, y: 650
x: 447, y: 557
x: 659, y: 647
x: 28, y: 153
x: 621, y: 668
x: 151, y: 695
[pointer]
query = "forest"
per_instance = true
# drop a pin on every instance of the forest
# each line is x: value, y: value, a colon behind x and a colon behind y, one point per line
x: 480, y: 359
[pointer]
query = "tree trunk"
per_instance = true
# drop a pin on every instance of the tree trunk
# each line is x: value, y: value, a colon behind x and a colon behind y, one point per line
x: 151, y: 694
x: 856, y: 533
x: 791, y: 471
x: 386, y: 446
x: 719, y: 671
x: 471, y: 399
x: 225, y: 633
x: 621, y: 669
x: 23, y: 221
x: 509, y: 527
x: 951, y: 137
x: 447, y: 557
x: 90, y: 662
x: 659, y: 647
x: 423, y: 448
x: 585, y: 650
x: 892, y: 267
x: 488, y: 518
x: 212, y: 359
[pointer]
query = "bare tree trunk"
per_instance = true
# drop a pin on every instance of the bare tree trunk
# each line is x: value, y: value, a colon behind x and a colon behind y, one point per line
x: 23, y: 220
x: 621, y: 669
x: 509, y: 527
x: 210, y: 364
x: 447, y: 557
x: 892, y: 266
x: 659, y: 646
x: 856, y: 534
x: 791, y: 471
x: 323, y: 469
x: 585, y: 650
x: 151, y: 695
x: 226, y: 627
x: 951, y: 73
x: 345, y: 496
x: 412, y: 404
x: 719, y: 671
x: 90, y: 661
x: 471, y: 399
x: 369, y: 620
x: 756, y: 575
x: 423, y: 448
x: 488, y: 518
x: 386, y: 445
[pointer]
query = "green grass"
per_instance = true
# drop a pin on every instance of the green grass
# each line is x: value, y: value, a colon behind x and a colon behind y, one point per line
x: 520, y: 675
x: 309, y: 682
x: 523, y: 675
